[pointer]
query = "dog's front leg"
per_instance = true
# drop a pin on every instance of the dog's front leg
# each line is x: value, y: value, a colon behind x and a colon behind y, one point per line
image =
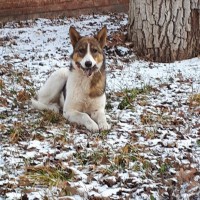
x: 81, y: 119
x: 100, y: 117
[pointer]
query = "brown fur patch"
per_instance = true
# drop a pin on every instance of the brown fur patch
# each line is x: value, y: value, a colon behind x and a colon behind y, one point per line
x: 98, y: 58
x: 98, y: 83
x: 76, y: 57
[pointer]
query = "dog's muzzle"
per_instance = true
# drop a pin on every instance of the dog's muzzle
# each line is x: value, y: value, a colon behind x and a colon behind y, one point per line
x: 88, y: 69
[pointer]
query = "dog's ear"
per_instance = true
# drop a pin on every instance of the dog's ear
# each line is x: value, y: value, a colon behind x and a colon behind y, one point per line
x: 101, y: 36
x: 74, y: 36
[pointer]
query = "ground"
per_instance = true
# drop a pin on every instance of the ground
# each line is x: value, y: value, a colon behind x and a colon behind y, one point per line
x: 153, y: 148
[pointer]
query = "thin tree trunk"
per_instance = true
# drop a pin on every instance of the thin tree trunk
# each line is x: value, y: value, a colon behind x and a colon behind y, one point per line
x: 165, y: 30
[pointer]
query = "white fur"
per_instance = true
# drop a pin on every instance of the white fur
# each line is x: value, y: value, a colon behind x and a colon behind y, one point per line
x: 51, y: 91
x: 78, y: 106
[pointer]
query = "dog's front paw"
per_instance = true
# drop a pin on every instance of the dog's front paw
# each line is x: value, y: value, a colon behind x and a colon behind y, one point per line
x: 104, y: 126
x: 92, y: 126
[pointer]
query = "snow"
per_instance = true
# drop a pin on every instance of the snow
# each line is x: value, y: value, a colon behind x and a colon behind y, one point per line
x: 64, y: 155
x: 160, y: 73
x: 148, y: 145
x: 13, y: 195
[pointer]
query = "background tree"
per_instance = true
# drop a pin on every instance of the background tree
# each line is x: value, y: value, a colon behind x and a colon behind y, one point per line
x: 165, y: 30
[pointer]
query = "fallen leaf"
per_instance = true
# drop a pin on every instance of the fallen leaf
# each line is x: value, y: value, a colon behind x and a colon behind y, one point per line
x: 186, y: 175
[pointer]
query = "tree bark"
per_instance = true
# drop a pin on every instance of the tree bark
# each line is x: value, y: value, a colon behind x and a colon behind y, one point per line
x: 165, y: 30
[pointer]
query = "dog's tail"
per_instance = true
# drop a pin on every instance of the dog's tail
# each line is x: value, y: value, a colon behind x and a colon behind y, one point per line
x: 41, y: 106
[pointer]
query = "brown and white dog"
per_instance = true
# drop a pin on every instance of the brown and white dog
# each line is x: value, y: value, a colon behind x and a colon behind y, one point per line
x: 80, y: 89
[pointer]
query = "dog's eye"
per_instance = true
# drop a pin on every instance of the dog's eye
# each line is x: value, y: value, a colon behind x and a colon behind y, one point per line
x: 81, y: 51
x: 94, y: 50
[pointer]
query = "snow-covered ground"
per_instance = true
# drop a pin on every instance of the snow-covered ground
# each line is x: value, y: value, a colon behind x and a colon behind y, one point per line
x: 153, y: 148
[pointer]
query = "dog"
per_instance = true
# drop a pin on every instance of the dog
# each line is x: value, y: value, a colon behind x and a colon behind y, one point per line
x: 80, y: 89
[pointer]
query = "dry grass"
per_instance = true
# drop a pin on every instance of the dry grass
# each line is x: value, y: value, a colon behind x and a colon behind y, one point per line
x: 2, y: 85
x: 46, y: 175
x: 17, y: 132
x: 49, y: 117
x: 195, y: 100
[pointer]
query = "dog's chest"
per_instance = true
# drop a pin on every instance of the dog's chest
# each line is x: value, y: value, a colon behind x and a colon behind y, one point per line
x: 78, y: 89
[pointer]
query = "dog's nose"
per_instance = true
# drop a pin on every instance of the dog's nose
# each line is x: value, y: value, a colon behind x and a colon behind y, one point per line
x: 88, y: 64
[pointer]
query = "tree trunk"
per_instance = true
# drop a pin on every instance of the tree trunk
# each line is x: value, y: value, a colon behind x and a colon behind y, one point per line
x: 165, y: 30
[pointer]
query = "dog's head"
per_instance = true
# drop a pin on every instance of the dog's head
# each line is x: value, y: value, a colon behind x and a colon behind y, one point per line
x: 88, y: 51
